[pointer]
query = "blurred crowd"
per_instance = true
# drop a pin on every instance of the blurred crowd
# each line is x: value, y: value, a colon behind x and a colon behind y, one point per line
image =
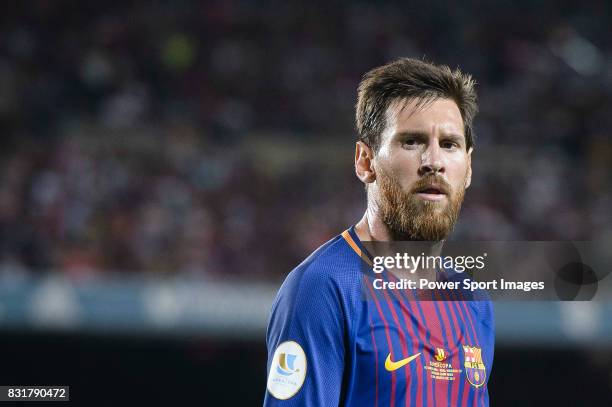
x: 217, y: 139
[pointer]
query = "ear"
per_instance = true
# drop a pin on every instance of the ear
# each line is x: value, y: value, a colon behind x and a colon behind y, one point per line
x: 364, y: 168
x: 468, y: 180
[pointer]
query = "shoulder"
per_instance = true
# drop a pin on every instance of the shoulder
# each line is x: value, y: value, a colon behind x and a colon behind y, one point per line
x: 324, y: 288
x: 333, y: 266
x: 312, y: 317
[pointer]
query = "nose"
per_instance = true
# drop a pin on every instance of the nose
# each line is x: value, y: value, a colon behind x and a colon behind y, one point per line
x: 431, y: 161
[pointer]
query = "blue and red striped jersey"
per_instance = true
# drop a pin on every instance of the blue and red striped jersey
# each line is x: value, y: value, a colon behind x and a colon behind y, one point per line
x: 334, y: 340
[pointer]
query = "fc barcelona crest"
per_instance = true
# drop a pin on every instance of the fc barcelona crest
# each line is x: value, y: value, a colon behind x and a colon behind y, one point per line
x: 475, y: 369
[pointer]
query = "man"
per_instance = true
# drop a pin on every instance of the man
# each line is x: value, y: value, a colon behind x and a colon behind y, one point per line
x: 332, y: 340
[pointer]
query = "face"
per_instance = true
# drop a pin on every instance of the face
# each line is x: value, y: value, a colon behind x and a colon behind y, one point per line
x: 422, y: 170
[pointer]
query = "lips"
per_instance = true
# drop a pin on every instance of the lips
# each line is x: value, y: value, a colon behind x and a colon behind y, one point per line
x: 431, y: 190
x: 438, y: 189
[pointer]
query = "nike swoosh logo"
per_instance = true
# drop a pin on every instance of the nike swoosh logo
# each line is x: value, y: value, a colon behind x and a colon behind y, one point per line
x: 391, y: 366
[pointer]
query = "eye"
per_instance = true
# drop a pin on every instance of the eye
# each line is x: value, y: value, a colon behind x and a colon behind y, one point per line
x: 409, y: 142
x: 449, y: 145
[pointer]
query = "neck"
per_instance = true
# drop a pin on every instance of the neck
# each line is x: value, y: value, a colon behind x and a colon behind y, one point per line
x: 372, y: 229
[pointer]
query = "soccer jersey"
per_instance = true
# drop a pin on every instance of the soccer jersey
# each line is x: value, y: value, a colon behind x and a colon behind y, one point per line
x: 333, y: 339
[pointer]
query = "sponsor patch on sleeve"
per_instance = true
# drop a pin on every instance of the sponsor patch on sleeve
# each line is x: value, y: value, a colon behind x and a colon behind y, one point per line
x: 287, y: 371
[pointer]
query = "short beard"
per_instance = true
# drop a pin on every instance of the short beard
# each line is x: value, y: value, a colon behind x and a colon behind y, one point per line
x: 408, y: 217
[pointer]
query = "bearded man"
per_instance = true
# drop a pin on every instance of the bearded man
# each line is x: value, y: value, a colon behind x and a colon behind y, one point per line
x: 332, y: 340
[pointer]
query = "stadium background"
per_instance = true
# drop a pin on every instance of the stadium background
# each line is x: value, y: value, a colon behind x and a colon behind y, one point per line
x: 163, y: 165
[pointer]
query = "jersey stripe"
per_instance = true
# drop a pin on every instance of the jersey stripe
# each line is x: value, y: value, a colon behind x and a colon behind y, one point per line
x: 444, y: 394
x: 476, y: 342
x: 417, y: 369
x: 463, y: 306
x: 429, y: 390
x: 468, y: 397
x: 453, y: 327
x: 463, y: 386
x: 375, y: 356
x: 389, y: 342
x: 364, y: 256
x: 391, y: 306
x: 457, y: 335
x: 418, y: 338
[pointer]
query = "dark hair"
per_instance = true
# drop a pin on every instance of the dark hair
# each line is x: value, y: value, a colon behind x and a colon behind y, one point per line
x: 408, y: 78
